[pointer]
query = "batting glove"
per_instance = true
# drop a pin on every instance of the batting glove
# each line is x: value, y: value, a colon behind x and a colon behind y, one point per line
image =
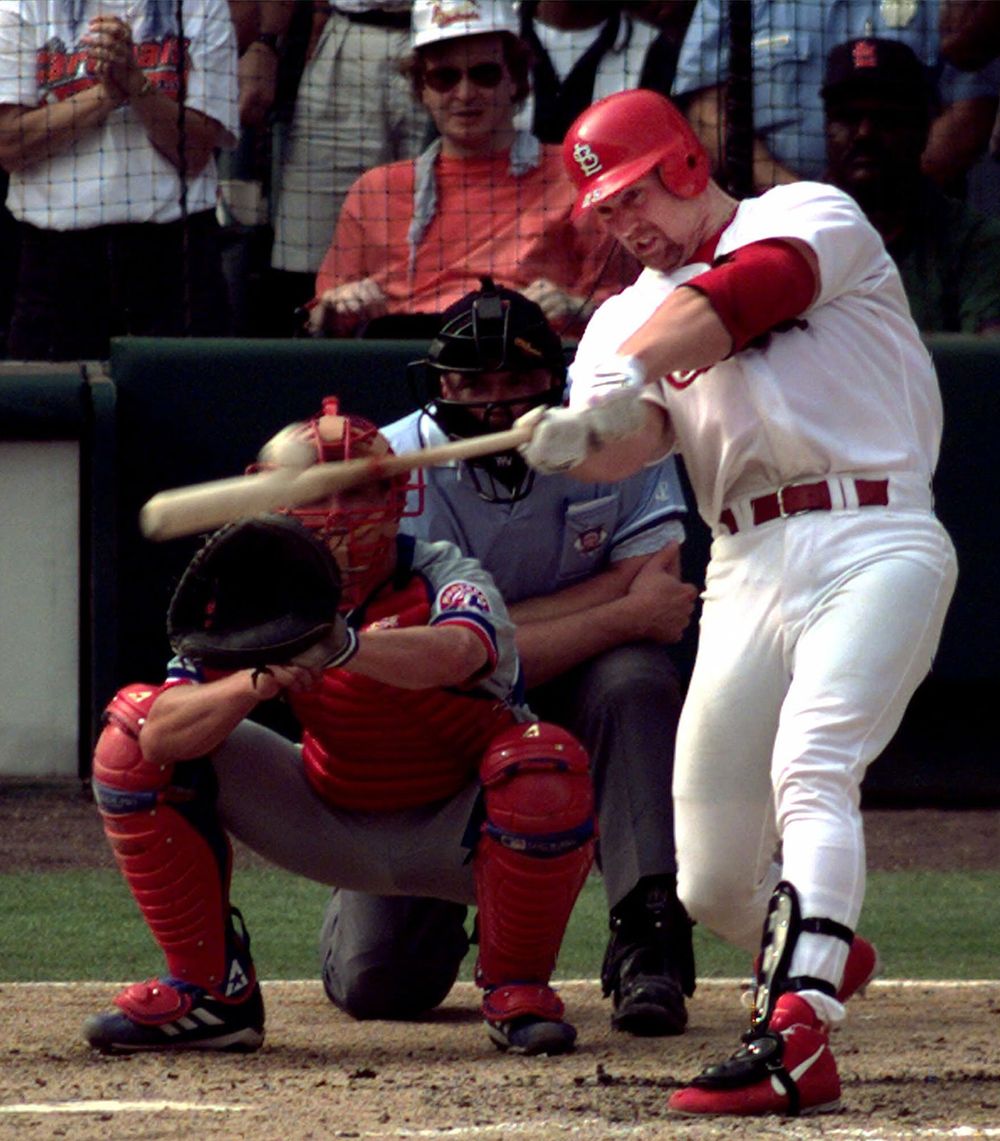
x: 562, y: 438
x: 559, y: 440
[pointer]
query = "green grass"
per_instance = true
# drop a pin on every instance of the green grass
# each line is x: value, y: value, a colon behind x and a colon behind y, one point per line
x: 84, y: 925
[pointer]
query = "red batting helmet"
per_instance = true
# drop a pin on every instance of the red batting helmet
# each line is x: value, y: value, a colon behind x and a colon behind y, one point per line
x: 621, y: 138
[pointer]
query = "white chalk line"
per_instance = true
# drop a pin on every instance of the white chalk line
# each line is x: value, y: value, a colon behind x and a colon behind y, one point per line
x: 41, y: 1107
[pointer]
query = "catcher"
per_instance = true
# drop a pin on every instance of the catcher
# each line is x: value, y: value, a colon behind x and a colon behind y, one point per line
x: 397, y: 657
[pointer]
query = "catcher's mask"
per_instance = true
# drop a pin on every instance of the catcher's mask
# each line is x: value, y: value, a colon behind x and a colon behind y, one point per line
x: 360, y: 524
x: 491, y: 331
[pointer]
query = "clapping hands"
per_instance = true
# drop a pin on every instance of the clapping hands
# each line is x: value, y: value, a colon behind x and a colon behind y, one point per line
x: 111, y: 56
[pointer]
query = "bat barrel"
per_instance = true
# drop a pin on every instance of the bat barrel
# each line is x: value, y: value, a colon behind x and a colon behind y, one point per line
x: 206, y: 506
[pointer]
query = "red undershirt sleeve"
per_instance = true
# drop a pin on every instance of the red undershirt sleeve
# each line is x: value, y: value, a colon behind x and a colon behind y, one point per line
x: 757, y: 288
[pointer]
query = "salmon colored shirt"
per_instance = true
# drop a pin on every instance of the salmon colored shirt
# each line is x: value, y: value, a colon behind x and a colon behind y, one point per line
x: 517, y: 229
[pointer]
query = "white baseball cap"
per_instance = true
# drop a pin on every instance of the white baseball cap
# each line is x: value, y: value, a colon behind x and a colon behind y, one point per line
x: 436, y: 20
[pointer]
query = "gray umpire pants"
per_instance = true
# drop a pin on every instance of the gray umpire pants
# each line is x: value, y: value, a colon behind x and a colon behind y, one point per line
x: 396, y: 957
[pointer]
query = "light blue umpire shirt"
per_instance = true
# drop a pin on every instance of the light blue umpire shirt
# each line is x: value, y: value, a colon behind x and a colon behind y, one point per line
x: 563, y: 531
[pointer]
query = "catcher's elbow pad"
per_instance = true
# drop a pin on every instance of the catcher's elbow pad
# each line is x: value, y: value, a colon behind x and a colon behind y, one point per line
x: 123, y: 780
x: 536, y: 848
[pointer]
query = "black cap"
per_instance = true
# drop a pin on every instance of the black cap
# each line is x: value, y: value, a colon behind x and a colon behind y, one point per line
x: 874, y: 66
x: 495, y: 329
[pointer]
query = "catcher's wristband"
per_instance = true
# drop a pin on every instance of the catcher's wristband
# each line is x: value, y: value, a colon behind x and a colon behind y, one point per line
x: 346, y: 651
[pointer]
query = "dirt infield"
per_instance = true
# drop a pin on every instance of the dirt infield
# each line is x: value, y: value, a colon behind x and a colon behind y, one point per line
x: 919, y: 1061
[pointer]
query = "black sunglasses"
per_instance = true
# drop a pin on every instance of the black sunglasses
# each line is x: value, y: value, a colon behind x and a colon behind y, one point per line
x: 446, y: 78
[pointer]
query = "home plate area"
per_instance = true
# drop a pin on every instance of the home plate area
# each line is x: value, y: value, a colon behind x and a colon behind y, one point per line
x: 916, y: 1059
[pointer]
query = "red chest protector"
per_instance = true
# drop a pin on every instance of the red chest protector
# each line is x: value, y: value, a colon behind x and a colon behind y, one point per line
x: 373, y: 747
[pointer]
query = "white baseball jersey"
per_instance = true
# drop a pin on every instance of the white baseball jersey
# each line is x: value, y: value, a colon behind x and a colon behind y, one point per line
x: 852, y: 390
x: 113, y: 173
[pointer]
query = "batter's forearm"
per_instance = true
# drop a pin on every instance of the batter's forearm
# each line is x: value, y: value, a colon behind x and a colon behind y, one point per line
x: 683, y: 335
x: 616, y: 460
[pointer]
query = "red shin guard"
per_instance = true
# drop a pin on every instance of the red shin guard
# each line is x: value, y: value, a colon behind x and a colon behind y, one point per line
x: 176, y: 863
x: 533, y: 856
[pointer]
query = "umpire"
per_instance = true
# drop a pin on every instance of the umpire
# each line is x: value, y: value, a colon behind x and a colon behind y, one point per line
x: 591, y: 573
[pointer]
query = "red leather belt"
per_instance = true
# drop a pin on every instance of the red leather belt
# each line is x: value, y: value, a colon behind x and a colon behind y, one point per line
x: 798, y: 498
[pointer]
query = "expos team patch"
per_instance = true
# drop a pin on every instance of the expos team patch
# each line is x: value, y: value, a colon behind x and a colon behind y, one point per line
x: 463, y: 596
x: 591, y: 540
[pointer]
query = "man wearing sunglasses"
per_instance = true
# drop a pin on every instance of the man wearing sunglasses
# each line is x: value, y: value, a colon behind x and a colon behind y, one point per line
x: 591, y: 573
x: 414, y: 237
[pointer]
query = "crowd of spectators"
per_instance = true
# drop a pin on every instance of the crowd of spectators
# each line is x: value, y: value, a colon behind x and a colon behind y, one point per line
x: 111, y: 115
x: 351, y: 199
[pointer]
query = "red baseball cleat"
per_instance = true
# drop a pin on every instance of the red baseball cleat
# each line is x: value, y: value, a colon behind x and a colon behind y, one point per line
x: 861, y: 967
x: 787, y: 1068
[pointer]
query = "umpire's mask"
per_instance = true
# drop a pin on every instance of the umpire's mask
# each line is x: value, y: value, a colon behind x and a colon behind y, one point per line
x: 495, y: 358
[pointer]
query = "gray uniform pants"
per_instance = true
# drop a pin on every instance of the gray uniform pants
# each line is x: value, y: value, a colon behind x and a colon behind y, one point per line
x: 390, y: 956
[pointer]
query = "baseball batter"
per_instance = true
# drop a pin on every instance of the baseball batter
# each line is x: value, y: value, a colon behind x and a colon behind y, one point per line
x: 768, y: 341
x: 416, y: 751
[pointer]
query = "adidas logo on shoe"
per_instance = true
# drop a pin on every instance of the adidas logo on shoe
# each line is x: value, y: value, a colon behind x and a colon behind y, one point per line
x: 532, y: 1036
x: 786, y: 1069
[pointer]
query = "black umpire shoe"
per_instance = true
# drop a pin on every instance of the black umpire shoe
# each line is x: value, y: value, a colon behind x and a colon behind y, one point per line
x: 649, y: 964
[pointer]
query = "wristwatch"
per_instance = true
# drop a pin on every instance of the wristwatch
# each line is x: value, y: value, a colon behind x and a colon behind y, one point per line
x: 269, y: 39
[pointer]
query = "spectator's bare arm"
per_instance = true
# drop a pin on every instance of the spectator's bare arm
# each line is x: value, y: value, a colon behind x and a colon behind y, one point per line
x: 259, y: 25
x: 959, y: 135
x: 706, y: 113
x: 112, y: 54
x: 970, y: 32
x: 29, y: 135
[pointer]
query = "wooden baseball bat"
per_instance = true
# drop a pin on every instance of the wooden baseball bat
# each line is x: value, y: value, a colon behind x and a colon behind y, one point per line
x: 205, y: 506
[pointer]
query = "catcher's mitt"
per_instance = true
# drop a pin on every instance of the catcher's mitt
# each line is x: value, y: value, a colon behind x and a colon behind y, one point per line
x: 260, y: 592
